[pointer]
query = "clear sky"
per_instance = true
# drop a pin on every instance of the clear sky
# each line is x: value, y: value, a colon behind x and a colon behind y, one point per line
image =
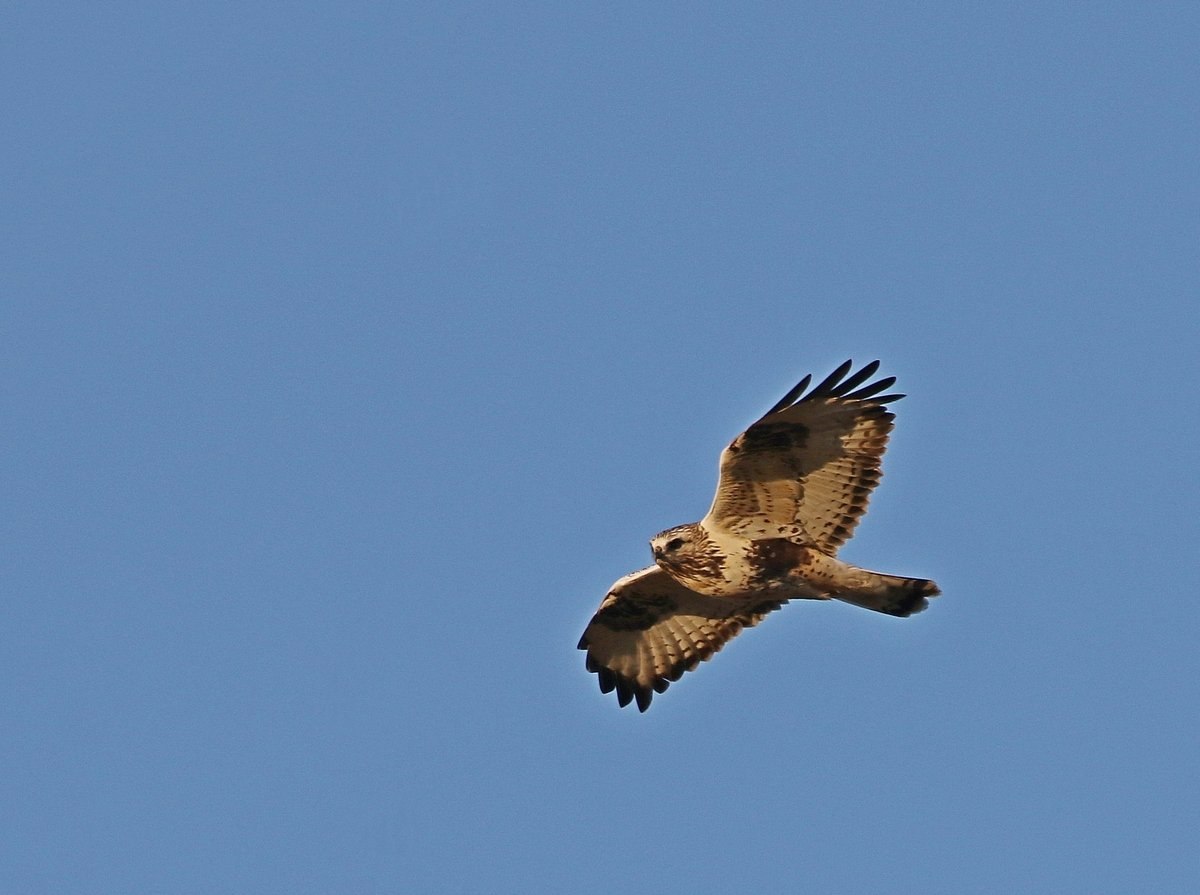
x: 352, y: 350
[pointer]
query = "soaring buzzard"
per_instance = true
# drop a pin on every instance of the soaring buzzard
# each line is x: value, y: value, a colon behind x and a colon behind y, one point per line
x: 792, y: 488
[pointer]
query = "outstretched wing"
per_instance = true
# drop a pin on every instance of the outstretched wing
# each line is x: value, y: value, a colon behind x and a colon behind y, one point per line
x: 650, y: 630
x: 806, y: 469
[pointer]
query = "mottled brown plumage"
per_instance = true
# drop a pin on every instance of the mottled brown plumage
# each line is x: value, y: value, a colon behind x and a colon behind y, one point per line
x: 792, y: 488
x: 650, y: 629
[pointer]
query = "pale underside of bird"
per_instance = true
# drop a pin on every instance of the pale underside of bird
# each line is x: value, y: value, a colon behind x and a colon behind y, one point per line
x: 791, y: 490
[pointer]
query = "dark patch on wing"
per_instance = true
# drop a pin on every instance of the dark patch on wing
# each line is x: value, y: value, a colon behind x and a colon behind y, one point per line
x: 777, y: 437
x: 634, y: 615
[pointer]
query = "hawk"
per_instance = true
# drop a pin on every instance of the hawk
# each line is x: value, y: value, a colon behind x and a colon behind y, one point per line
x: 791, y: 490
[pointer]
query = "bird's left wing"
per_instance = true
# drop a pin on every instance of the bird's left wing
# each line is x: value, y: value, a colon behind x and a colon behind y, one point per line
x: 806, y: 469
x: 650, y: 630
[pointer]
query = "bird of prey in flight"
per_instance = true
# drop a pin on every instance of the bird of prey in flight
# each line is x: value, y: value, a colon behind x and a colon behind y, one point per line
x: 792, y: 488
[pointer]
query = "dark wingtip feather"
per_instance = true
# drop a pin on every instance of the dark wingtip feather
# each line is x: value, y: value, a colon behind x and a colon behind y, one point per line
x: 608, y: 680
x: 873, y: 389
x: 827, y: 384
x: 834, y: 386
x: 856, y: 380
x: 796, y: 391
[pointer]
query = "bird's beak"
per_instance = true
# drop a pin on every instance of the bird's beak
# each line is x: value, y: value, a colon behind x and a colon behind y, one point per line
x: 657, y: 551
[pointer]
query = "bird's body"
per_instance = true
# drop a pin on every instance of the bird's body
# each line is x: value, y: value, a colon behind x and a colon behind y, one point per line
x: 780, y: 567
x: 792, y: 488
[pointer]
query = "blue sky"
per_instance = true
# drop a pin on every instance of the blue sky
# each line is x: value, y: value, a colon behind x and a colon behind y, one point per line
x: 354, y: 350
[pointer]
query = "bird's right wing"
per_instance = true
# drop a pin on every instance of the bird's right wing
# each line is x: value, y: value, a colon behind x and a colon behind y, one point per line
x: 650, y: 630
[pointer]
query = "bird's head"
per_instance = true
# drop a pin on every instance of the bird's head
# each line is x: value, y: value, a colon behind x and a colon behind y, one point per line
x: 674, y: 546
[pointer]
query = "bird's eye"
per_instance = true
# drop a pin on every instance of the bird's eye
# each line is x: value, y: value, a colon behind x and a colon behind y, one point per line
x: 674, y: 544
